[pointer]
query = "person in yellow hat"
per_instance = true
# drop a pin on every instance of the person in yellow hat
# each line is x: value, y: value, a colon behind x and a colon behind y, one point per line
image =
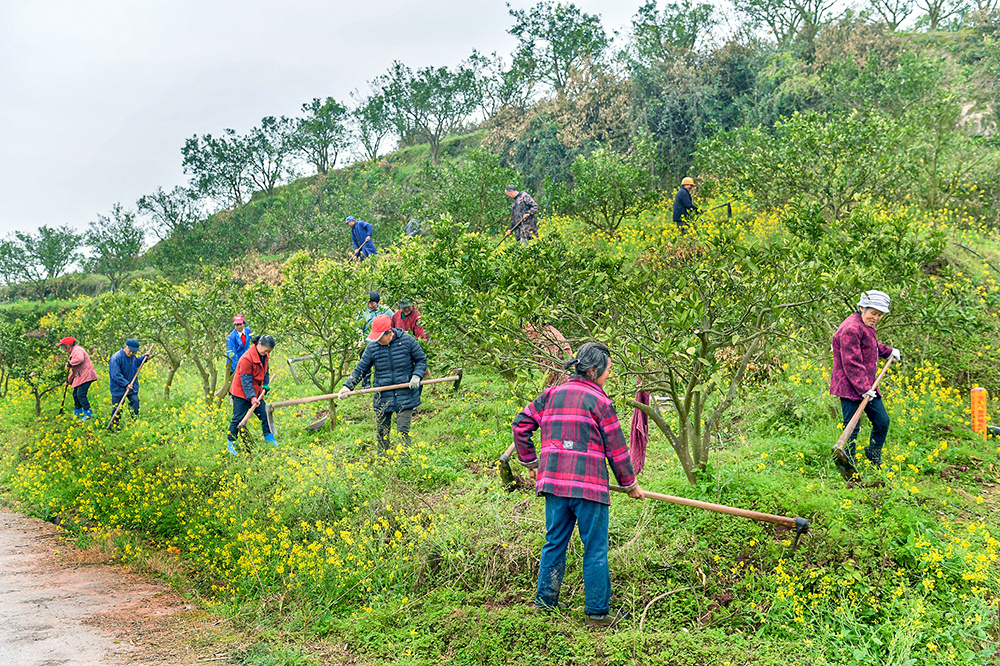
x: 683, y: 204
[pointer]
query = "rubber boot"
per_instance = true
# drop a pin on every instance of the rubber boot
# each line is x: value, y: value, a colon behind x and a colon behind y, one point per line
x: 87, y: 414
x: 269, y: 438
x: 231, y: 447
x: 78, y: 413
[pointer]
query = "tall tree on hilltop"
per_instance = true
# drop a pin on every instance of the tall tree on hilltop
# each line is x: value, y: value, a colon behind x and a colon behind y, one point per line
x: 657, y: 34
x: 937, y: 12
x: 555, y: 38
x: 372, y: 121
x: 893, y: 12
x: 218, y: 166
x: 116, y: 243
x: 268, y: 148
x: 39, y: 258
x: 170, y: 213
x: 500, y: 87
x: 430, y: 103
x: 323, y: 133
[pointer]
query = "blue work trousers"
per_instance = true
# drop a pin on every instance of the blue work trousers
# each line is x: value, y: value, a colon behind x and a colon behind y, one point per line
x: 875, y: 411
x: 561, y: 513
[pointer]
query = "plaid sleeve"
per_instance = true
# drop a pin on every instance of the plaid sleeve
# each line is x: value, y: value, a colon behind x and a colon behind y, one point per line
x: 615, y: 447
x: 525, y: 423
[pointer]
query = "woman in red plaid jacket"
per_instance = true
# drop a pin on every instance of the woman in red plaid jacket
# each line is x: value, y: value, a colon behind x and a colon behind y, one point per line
x: 579, y: 432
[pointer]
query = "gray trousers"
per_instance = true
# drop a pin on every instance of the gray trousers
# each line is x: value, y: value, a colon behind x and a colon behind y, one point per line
x: 383, y: 424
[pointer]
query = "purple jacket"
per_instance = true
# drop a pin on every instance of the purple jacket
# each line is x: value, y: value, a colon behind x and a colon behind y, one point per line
x: 855, y: 354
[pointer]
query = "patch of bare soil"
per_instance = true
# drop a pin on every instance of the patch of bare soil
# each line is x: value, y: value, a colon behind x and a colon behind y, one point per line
x: 60, y: 606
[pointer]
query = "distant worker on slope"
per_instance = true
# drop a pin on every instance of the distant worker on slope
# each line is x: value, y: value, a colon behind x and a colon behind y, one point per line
x: 237, y: 343
x: 123, y: 366
x: 523, y: 220
x: 81, y: 376
x: 579, y: 432
x: 397, y: 359
x: 361, y: 236
x: 856, y: 351
x: 683, y: 204
x: 366, y: 317
x: 250, y: 381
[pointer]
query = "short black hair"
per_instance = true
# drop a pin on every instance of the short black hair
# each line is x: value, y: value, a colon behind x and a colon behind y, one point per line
x: 373, y: 297
x: 510, y: 188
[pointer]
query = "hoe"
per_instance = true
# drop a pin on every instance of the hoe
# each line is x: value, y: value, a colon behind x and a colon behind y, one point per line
x: 845, y: 463
x: 269, y: 409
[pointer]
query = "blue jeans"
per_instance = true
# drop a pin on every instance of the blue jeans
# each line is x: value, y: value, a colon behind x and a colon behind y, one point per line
x: 592, y: 519
x: 875, y: 411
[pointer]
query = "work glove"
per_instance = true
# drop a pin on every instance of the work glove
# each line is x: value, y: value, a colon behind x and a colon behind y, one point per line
x: 896, y: 356
x: 870, y: 394
x: 266, y: 387
x: 343, y: 392
x: 414, y: 382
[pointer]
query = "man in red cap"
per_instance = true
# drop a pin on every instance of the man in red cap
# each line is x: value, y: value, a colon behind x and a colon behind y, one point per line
x: 81, y: 376
x: 397, y: 359
x: 237, y: 343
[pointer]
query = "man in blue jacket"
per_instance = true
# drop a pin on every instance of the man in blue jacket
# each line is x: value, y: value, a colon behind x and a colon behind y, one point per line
x: 397, y: 359
x: 237, y: 343
x: 122, y: 369
x: 361, y: 235
x: 683, y: 205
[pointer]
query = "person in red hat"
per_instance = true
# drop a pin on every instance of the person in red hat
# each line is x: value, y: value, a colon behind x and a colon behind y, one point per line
x: 81, y: 376
x: 237, y: 344
x: 398, y: 359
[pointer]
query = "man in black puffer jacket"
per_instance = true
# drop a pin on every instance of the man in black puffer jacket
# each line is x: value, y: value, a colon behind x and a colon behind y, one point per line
x: 397, y: 359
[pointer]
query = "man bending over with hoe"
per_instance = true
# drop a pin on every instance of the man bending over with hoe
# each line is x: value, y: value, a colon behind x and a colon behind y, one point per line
x: 856, y: 351
x: 398, y: 359
x: 579, y: 432
x: 250, y: 381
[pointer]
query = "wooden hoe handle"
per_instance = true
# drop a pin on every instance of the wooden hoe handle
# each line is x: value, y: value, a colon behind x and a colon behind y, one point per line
x: 801, y: 525
x: 849, y: 428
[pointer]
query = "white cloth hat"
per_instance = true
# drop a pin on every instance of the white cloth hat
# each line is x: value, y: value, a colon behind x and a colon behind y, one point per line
x: 874, y: 299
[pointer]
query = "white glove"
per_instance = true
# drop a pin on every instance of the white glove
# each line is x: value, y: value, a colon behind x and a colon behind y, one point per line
x: 414, y: 382
x: 870, y: 394
x: 343, y: 392
x: 896, y: 356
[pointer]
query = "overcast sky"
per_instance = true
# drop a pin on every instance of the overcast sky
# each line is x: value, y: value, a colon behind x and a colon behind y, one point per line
x: 97, y: 96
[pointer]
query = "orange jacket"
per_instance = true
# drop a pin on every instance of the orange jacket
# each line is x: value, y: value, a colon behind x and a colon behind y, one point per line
x: 254, y: 369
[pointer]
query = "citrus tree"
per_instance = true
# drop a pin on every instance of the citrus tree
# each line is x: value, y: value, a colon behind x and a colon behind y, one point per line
x: 319, y: 303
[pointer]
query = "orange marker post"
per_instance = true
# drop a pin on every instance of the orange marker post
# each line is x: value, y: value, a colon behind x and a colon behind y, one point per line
x: 979, y: 420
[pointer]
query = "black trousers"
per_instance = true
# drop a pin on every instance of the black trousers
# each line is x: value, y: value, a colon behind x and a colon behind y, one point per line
x: 80, y: 399
x: 240, y: 408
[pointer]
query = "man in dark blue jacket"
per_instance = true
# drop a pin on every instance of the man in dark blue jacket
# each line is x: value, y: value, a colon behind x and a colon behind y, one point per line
x: 361, y: 236
x: 398, y: 359
x: 683, y: 204
x: 122, y: 369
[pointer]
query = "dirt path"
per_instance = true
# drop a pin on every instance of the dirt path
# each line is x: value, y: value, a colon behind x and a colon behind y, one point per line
x: 60, y: 606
